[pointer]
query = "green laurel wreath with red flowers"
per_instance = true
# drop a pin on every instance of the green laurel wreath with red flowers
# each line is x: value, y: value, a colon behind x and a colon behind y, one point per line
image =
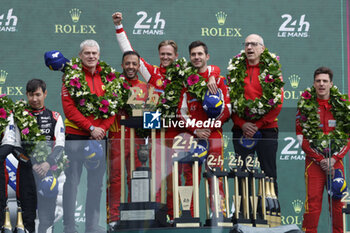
x: 180, y: 74
x: 104, y: 106
x: 271, y: 84
x: 309, y: 120
x: 6, y: 106
x: 34, y: 143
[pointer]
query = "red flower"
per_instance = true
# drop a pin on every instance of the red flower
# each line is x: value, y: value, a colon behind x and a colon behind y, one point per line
x: 105, y: 102
x: 2, y: 95
x: 75, y: 82
x: 110, y: 77
x: 25, y: 131
x: 306, y: 95
x: 104, y: 109
x: 3, y: 113
x: 192, y: 79
x: 269, y: 79
x: 126, y: 86
x: 75, y: 66
x: 82, y: 102
x: 271, y: 102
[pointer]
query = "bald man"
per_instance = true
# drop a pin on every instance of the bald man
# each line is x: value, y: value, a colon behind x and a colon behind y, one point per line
x: 266, y: 148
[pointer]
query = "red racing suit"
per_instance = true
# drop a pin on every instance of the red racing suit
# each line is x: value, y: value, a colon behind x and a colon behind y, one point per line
x: 315, y: 177
x: 155, y: 75
x: 190, y: 108
x: 114, y: 136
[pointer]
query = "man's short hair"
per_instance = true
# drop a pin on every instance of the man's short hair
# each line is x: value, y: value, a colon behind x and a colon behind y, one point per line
x: 198, y: 43
x: 89, y: 43
x: 168, y: 42
x: 35, y: 84
x: 131, y: 52
x: 324, y: 70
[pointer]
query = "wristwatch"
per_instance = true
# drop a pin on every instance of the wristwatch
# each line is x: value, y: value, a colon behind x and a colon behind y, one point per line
x: 91, y: 128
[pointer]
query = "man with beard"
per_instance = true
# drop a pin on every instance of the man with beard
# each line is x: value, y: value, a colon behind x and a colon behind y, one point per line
x: 190, y: 107
x: 130, y: 65
x: 156, y: 76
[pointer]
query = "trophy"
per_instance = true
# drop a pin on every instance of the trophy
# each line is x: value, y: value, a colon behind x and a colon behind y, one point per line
x: 142, y: 211
x: 215, y: 175
x: 185, y: 193
x: 258, y: 212
x: 270, y: 206
x: 277, y: 209
x: 140, y: 182
x: 241, y: 193
x: 7, y: 227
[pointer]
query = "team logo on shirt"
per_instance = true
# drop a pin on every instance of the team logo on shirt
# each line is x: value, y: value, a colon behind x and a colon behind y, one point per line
x: 159, y: 83
x: 221, y: 31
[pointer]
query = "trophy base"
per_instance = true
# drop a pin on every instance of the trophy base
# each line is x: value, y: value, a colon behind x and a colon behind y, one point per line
x: 219, y: 222
x: 142, y: 215
x: 242, y: 221
x: 260, y: 223
x: 186, y: 220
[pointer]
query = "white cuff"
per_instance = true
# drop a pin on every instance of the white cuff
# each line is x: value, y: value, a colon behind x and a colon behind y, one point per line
x: 119, y: 26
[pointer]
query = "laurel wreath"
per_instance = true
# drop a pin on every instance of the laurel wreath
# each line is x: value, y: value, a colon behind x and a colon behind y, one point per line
x: 180, y: 74
x: 309, y: 120
x: 115, y: 87
x: 271, y: 84
x: 33, y: 142
x: 6, y: 106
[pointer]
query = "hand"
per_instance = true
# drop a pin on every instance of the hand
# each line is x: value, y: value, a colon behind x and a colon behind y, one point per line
x: 213, y: 88
x: 98, y: 133
x: 249, y: 129
x: 117, y: 18
x: 41, y: 169
x: 203, y: 133
x: 327, y: 164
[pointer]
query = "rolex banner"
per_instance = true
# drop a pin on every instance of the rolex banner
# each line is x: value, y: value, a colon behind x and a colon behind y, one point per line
x: 304, y: 34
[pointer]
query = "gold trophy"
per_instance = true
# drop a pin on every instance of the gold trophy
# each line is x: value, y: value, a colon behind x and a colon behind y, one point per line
x: 221, y: 204
x: 7, y: 227
x: 256, y: 175
x: 270, y: 206
x: 143, y: 211
x: 241, y: 191
x: 277, y: 208
x: 185, y: 193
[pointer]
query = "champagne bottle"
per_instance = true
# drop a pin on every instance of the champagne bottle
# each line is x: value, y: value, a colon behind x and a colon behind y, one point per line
x: 259, y: 210
x: 276, y: 203
x: 270, y: 208
x: 7, y: 228
x: 19, y: 226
